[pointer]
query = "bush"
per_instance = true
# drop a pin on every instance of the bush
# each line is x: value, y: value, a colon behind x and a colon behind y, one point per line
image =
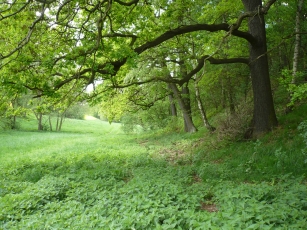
x: 78, y: 111
x: 234, y: 126
x: 9, y: 123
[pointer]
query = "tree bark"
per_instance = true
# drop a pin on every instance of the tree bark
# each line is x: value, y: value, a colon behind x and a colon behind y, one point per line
x: 61, y: 122
x: 173, y: 109
x: 40, y: 121
x: 264, y: 117
x: 185, y: 93
x: 189, y: 125
x: 297, y: 40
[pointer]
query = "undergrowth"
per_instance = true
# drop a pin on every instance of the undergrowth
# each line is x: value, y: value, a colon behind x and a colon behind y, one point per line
x: 103, y: 179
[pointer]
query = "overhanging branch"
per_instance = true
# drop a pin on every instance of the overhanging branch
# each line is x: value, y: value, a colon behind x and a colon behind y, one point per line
x: 201, y: 62
x: 192, y: 28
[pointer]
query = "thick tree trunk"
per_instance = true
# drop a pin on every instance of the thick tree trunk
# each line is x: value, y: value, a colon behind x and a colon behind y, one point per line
x: 264, y: 113
x: 189, y: 125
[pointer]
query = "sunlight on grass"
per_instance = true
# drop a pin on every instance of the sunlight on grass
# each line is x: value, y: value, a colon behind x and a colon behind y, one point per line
x: 90, y: 118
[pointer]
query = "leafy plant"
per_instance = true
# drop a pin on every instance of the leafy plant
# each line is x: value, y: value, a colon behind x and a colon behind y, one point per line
x: 105, y: 179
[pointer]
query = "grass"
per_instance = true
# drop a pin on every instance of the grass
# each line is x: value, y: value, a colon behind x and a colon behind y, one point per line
x: 93, y: 176
x: 77, y: 137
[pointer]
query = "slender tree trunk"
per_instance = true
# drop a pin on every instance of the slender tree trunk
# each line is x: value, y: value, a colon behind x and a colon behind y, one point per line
x: 296, y: 53
x: 264, y: 118
x: 189, y: 125
x: 13, y: 122
x: 230, y: 95
x: 57, y: 123
x: 201, y: 107
x: 173, y: 109
x: 61, y: 121
x: 50, y: 123
x: 40, y: 121
x: 14, y: 104
x: 223, y: 93
x: 202, y: 110
x: 297, y: 40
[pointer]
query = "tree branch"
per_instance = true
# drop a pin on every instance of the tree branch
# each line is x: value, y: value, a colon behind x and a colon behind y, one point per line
x: 133, y: 2
x: 192, y: 28
x: 262, y: 10
x: 26, y: 39
x: 181, y: 81
x: 16, y: 12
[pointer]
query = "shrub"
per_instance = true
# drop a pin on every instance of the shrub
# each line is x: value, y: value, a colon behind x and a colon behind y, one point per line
x: 234, y: 126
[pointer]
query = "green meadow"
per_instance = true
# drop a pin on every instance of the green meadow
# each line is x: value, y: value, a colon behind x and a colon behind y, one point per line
x: 92, y: 175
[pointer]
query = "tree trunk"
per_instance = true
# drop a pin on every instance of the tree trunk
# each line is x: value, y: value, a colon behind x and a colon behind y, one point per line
x: 173, y: 109
x: 50, y: 123
x: 13, y: 122
x: 264, y: 118
x: 296, y: 53
x: 202, y: 110
x: 297, y: 40
x: 61, y: 121
x: 185, y: 92
x: 232, y: 107
x: 189, y: 126
x: 201, y: 107
x: 40, y: 121
x: 57, y: 123
x: 13, y: 117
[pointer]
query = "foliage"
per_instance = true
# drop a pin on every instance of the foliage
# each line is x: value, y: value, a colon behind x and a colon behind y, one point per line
x: 78, y: 110
x: 96, y: 176
x: 297, y: 91
x: 155, y: 116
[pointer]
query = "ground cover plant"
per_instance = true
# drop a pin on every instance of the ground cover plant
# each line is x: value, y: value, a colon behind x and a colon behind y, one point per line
x: 94, y: 176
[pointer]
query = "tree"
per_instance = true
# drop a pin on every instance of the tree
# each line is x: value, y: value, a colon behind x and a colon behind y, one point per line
x: 264, y: 113
x: 297, y: 39
x: 101, y: 41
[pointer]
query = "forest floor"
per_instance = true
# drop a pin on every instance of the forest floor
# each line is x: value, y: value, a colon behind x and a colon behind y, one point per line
x: 93, y: 176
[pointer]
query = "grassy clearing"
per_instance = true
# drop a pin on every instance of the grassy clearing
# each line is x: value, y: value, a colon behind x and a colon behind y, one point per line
x: 93, y: 176
x: 77, y: 137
